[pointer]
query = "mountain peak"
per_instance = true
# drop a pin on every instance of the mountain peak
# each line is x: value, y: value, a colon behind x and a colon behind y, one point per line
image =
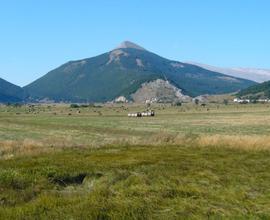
x: 128, y: 44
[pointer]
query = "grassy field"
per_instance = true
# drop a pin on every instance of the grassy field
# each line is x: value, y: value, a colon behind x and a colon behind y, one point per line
x: 188, y: 162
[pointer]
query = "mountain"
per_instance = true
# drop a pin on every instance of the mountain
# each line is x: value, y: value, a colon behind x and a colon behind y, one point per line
x: 128, y: 44
x: 254, y: 74
x: 257, y: 91
x: 122, y: 71
x: 10, y: 92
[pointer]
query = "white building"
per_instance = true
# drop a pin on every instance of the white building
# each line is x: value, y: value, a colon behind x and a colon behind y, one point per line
x: 121, y: 99
x: 237, y: 100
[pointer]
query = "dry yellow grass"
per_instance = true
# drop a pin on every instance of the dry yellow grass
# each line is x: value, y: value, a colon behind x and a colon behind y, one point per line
x: 11, y: 148
x: 254, y: 142
x: 245, y: 142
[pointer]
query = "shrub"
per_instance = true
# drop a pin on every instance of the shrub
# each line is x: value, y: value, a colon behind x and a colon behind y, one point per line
x: 74, y: 106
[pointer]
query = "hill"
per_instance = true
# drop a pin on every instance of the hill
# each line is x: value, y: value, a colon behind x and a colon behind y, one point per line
x: 159, y: 91
x: 10, y: 92
x: 257, y: 91
x: 122, y: 71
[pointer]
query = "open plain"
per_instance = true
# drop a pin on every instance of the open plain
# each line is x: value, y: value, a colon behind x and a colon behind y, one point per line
x: 94, y: 162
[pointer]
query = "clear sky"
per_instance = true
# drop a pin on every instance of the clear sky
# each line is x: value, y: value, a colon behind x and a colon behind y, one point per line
x: 37, y: 36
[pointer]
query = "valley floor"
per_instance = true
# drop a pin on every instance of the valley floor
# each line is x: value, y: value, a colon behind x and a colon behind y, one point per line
x: 188, y: 162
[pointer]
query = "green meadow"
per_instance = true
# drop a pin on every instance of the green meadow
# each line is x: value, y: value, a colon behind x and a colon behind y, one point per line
x: 94, y: 162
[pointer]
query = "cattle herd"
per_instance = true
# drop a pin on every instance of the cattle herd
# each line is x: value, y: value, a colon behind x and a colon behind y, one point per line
x: 142, y: 114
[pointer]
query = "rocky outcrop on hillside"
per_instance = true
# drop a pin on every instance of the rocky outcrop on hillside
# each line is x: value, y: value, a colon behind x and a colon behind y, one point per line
x: 159, y: 91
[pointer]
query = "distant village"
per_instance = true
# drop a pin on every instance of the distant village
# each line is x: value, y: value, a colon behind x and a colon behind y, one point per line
x: 201, y: 99
x: 245, y: 101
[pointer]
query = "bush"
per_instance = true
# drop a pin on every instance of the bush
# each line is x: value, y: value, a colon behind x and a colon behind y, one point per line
x: 177, y: 103
x: 196, y: 101
x: 74, y: 106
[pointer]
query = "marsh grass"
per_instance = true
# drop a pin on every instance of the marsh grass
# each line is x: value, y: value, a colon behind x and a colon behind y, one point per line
x: 137, y: 182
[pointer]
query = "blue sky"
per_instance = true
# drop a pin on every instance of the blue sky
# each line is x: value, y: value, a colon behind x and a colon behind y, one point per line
x: 38, y: 36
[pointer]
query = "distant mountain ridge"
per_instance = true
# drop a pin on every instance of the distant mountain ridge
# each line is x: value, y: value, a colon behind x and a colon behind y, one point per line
x: 254, y: 74
x: 10, y: 92
x: 122, y: 71
x: 259, y: 91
